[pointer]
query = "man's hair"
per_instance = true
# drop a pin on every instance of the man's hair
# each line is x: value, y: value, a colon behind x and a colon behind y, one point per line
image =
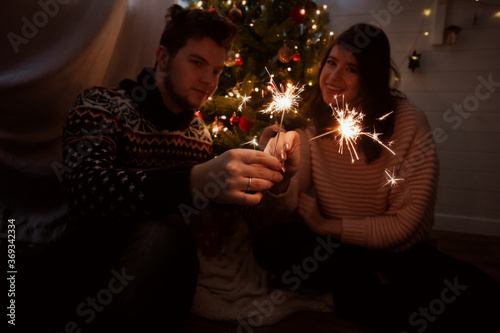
x: 183, y: 24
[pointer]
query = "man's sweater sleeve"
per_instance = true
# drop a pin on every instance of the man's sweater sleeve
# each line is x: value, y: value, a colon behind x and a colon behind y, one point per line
x: 98, y: 188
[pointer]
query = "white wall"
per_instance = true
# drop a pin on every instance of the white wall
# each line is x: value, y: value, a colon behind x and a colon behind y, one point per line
x: 450, y: 77
x: 59, y: 48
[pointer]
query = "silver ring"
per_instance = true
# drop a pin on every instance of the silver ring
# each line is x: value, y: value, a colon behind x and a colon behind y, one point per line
x: 249, y: 183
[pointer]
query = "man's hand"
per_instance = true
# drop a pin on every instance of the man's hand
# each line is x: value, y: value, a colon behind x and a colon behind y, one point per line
x: 237, y: 176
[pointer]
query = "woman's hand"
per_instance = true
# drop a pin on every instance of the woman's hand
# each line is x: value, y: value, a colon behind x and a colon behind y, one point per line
x: 236, y: 177
x: 286, y: 148
x: 307, y: 207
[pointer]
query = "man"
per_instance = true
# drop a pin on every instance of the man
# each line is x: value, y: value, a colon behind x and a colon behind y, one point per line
x: 138, y: 169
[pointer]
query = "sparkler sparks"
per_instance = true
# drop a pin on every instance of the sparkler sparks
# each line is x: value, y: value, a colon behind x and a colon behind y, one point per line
x: 284, y: 99
x: 350, y: 128
x: 252, y: 142
x: 391, y: 178
x: 244, y: 101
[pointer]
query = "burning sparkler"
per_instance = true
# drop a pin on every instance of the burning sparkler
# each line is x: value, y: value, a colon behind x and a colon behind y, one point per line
x: 391, y: 178
x: 284, y: 100
x: 252, y: 142
x: 244, y: 101
x: 350, y: 129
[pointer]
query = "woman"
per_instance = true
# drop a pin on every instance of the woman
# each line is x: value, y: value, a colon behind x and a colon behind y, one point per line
x: 375, y: 203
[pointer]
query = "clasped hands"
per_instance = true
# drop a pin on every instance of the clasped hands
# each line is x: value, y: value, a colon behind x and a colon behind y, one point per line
x: 239, y: 175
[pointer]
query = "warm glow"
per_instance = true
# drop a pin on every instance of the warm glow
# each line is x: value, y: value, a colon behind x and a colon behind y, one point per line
x: 349, y: 129
x: 427, y: 12
x: 391, y: 178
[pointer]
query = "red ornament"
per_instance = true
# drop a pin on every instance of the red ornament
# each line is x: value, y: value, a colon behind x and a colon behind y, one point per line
x: 285, y: 54
x: 234, y: 14
x: 298, y: 15
x: 239, y: 61
x: 296, y: 57
x: 199, y: 115
x: 234, y: 120
x: 245, y: 124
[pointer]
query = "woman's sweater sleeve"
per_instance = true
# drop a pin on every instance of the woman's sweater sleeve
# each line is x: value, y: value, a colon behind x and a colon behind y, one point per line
x: 300, y: 182
x: 410, y: 214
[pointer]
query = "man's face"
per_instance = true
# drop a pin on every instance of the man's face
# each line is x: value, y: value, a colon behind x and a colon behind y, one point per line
x: 192, y: 75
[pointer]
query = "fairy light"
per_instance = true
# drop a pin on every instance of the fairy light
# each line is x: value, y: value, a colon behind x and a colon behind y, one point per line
x: 350, y: 128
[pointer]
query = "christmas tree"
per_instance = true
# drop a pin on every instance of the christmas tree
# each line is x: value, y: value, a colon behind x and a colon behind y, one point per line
x: 280, y: 44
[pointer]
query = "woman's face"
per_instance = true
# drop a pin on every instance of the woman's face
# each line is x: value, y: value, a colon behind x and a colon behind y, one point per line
x: 340, y: 76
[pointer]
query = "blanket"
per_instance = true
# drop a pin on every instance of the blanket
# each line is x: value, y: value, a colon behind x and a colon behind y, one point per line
x: 232, y: 287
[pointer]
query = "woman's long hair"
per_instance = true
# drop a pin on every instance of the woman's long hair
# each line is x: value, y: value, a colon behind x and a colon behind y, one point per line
x: 378, y: 85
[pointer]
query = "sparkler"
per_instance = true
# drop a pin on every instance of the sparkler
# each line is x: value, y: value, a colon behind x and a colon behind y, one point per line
x: 244, y: 101
x: 252, y: 142
x: 350, y: 129
x: 284, y: 99
x: 391, y: 178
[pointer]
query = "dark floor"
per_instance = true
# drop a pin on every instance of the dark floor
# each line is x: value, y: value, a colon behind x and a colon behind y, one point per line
x: 482, y: 251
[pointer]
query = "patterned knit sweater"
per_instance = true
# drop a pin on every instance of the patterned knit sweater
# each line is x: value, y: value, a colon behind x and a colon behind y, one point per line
x: 126, y: 157
x: 374, y: 213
